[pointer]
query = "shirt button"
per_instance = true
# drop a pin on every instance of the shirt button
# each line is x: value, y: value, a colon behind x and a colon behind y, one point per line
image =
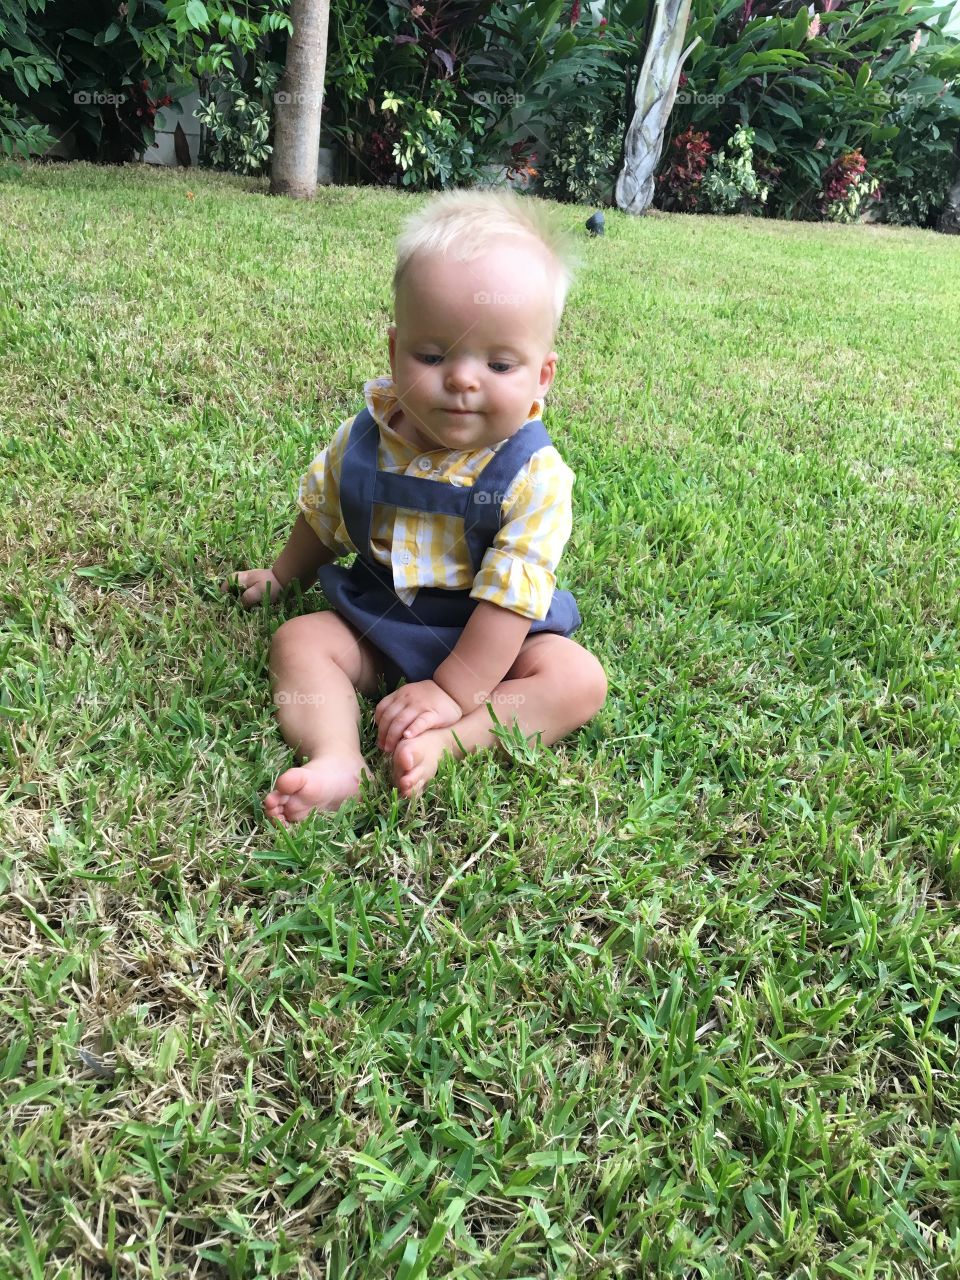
x: 425, y: 464
x: 405, y: 557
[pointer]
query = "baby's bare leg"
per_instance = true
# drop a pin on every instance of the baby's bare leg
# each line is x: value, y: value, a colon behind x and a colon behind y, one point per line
x: 317, y: 662
x: 553, y: 688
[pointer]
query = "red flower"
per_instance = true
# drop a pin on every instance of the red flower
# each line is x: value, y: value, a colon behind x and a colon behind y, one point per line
x: 841, y: 175
x: 574, y: 13
x: 679, y: 181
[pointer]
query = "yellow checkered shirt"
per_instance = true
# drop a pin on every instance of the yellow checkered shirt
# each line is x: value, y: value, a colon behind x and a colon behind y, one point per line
x: 425, y: 549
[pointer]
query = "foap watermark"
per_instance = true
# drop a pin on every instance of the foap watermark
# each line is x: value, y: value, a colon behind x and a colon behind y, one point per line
x: 499, y: 99
x: 904, y: 98
x: 701, y: 99
x: 489, y: 497
x: 294, y: 697
x: 284, y: 98
x: 98, y: 98
x: 500, y: 699
x: 484, y: 299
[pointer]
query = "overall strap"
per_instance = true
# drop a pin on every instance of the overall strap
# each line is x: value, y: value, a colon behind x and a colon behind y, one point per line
x: 484, y: 512
x: 480, y: 505
x: 357, y: 477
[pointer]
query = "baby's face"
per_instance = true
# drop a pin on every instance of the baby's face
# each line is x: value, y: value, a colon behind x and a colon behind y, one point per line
x: 472, y: 336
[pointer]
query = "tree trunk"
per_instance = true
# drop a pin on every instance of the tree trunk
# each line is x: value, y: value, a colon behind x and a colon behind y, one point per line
x: 950, y: 217
x: 653, y: 102
x: 299, y: 97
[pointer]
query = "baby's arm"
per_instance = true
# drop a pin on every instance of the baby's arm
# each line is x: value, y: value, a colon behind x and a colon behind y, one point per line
x: 302, y: 556
x: 314, y: 540
x: 516, y: 580
x: 483, y: 655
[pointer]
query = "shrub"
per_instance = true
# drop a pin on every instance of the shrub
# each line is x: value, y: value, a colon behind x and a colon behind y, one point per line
x: 240, y: 121
x: 678, y: 185
x: 434, y: 148
x: 730, y: 184
x: 845, y: 186
x: 490, y: 70
x: 872, y: 76
x: 582, y: 155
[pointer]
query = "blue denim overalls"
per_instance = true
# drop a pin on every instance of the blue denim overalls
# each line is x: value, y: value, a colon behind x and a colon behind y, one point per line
x: 415, y: 639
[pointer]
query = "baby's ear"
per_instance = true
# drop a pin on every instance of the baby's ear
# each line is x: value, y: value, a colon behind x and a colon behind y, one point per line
x: 548, y: 372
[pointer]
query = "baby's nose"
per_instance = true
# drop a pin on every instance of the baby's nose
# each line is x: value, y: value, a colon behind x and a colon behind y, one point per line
x: 461, y: 373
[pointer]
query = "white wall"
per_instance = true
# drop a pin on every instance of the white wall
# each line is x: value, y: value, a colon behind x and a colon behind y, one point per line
x: 163, y: 152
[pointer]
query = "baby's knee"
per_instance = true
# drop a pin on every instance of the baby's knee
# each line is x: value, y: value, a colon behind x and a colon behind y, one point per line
x: 288, y: 640
x: 591, y: 683
x: 579, y: 678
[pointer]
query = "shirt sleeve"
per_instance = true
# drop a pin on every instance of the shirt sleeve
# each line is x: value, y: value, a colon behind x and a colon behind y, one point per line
x: 518, y: 571
x: 318, y: 494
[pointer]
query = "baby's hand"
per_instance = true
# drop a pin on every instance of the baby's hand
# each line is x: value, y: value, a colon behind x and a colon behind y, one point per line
x: 252, y: 585
x: 411, y: 710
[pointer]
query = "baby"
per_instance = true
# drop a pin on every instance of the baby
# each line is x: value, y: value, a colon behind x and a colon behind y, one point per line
x: 457, y: 505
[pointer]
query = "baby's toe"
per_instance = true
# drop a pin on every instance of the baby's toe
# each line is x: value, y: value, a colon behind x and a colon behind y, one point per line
x: 406, y: 757
x: 290, y: 782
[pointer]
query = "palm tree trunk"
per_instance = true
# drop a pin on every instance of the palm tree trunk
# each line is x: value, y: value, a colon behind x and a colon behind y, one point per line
x: 655, y: 92
x: 950, y: 217
x: 299, y: 97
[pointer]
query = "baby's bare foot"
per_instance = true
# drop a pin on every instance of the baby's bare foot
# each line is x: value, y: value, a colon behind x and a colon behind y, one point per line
x: 415, y: 761
x: 322, y: 783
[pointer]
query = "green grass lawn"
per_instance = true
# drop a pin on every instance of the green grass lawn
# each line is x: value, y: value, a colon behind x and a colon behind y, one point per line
x: 679, y: 996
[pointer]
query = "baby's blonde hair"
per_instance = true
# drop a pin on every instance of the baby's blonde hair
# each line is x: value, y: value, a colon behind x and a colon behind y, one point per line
x: 469, y: 222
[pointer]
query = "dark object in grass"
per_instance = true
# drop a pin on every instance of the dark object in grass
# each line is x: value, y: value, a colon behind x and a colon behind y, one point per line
x: 181, y: 147
x: 594, y: 224
x: 96, y: 1065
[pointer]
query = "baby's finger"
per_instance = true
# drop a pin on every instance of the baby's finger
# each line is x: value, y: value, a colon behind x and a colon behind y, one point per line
x: 423, y: 721
x: 397, y: 726
x: 386, y: 720
x: 383, y: 706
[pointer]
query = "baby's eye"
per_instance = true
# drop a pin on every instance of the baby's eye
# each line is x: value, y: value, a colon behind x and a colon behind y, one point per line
x: 503, y: 366
x: 428, y: 358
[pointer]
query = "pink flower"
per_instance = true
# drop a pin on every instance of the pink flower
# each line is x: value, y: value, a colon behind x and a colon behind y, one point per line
x: 915, y: 42
x: 575, y: 13
x: 819, y: 143
x: 417, y: 11
x: 814, y: 28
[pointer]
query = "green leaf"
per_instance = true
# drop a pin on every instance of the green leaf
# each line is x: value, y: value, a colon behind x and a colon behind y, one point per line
x: 809, y: 86
x: 863, y: 75
x: 31, y: 1092
x: 111, y: 33
x: 36, y: 1267
x: 564, y: 44
x: 633, y: 13
x: 784, y: 109
x: 197, y: 14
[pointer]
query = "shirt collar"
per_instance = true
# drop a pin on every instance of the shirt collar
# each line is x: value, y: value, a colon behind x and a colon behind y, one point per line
x: 381, y: 398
